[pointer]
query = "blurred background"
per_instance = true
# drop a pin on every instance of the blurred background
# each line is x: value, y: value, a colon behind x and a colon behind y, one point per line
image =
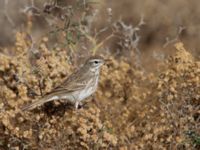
x: 162, y: 24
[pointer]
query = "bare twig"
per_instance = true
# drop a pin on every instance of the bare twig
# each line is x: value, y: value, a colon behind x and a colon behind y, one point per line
x: 129, y: 37
x: 168, y: 41
x: 93, y: 40
x: 7, y: 15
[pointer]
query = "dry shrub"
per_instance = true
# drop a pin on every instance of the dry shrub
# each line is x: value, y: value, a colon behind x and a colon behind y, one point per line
x: 51, y: 127
x: 169, y: 117
x: 178, y: 92
x: 133, y: 109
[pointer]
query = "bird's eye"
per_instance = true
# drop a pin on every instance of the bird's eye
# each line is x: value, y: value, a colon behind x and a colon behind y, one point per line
x: 96, y: 62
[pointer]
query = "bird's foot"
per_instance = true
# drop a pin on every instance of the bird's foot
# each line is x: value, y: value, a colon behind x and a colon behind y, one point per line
x: 79, y: 105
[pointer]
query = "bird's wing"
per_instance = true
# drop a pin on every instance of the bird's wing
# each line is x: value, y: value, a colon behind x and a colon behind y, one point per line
x: 74, y: 82
x: 71, y: 87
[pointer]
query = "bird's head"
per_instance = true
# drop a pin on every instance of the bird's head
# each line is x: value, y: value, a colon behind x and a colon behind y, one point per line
x: 95, y: 62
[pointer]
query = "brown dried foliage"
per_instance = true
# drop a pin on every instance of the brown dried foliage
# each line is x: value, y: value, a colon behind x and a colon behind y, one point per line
x: 131, y: 110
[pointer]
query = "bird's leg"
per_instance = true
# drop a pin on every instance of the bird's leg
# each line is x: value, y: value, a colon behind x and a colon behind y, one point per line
x: 41, y: 86
x: 76, y: 104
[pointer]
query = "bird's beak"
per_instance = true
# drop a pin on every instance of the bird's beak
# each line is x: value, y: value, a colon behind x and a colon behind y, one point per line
x: 107, y: 60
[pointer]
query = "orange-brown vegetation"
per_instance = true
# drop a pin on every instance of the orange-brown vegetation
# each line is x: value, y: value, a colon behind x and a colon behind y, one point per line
x: 133, y: 108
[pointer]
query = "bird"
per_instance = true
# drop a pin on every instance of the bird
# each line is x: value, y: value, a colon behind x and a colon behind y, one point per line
x: 75, y: 88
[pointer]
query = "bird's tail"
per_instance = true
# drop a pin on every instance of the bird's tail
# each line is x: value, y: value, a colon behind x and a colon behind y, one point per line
x: 39, y: 102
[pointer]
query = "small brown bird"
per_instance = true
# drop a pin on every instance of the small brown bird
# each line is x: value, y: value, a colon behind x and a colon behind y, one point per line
x: 78, y: 86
